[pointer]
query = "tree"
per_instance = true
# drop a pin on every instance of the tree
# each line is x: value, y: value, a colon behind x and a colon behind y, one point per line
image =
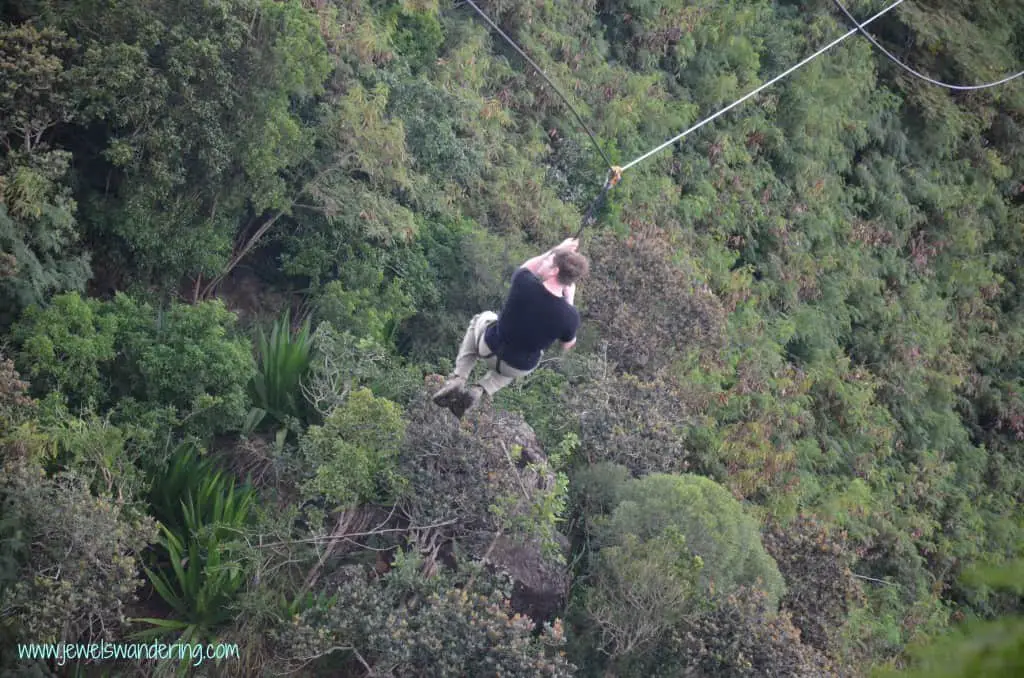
x: 198, y: 111
x: 713, y: 524
x: 411, y: 626
x: 129, y: 355
x: 38, y: 226
x: 79, y: 565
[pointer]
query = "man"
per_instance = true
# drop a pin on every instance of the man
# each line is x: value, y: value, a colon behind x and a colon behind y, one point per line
x: 538, y: 311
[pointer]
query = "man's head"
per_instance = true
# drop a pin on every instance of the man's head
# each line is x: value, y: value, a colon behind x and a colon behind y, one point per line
x: 568, y: 267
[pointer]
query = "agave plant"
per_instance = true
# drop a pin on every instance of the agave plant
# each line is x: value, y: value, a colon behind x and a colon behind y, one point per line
x: 284, y: 361
x: 199, y: 575
x: 185, y: 472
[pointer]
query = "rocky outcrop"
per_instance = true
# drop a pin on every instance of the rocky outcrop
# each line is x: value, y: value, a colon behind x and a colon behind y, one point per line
x: 461, y: 471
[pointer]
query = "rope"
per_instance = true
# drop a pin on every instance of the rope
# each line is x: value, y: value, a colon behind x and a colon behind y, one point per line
x: 530, y: 61
x: 762, y: 87
x: 615, y: 172
x: 916, y: 73
x: 588, y: 217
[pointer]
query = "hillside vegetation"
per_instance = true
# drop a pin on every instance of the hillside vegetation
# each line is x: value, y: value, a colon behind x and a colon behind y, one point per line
x: 238, y: 236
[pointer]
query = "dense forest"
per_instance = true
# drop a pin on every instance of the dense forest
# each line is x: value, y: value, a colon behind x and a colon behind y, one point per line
x: 240, y: 241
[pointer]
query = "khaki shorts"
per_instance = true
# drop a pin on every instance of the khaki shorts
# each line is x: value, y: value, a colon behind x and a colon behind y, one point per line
x: 475, y: 347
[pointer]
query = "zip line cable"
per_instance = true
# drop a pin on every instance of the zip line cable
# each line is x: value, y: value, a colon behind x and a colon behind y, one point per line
x: 523, y: 54
x: 615, y: 172
x: 916, y: 73
x: 762, y: 87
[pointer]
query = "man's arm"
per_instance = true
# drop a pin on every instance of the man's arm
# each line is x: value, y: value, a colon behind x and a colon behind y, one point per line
x: 533, y: 265
x: 569, y: 294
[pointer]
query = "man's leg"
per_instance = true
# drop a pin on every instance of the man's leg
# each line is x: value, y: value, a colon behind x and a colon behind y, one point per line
x: 469, y: 351
x: 466, y: 359
x: 489, y: 384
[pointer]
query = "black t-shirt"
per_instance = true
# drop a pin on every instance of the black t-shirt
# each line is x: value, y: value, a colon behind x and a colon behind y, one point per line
x: 531, y: 320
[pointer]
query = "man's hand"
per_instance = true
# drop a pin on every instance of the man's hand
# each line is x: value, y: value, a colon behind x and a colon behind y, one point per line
x: 569, y: 245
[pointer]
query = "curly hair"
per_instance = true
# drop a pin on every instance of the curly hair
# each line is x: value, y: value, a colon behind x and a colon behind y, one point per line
x: 572, y: 266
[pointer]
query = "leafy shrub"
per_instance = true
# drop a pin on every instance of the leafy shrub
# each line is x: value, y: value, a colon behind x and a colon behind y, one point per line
x: 353, y: 456
x: 343, y: 362
x: 676, y: 312
x: 366, y: 308
x: 640, y: 590
x: 79, y: 562
x: 125, y: 352
x: 816, y: 565
x: 185, y: 357
x: 739, y: 635
x: 596, y: 487
x: 712, y: 522
x: 104, y: 454
x: 67, y: 347
x: 418, y: 627
x: 416, y: 35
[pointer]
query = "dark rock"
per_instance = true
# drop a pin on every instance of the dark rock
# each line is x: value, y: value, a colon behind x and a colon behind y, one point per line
x: 460, y: 469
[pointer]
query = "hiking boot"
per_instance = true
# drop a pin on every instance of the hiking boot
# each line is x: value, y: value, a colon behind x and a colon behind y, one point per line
x: 452, y: 391
x: 471, y: 398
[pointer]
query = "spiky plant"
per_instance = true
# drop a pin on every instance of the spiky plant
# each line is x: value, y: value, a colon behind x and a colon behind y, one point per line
x: 283, y: 362
x: 197, y: 570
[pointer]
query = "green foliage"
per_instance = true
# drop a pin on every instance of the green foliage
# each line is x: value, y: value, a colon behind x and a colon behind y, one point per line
x: 186, y: 475
x: 353, y: 455
x: 126, y: 354
x: 371, y: 309
x: 105, y: 454
x: 713, y: 523
x: 38, y: 228
x: 199, y: 575
x: 416, y: 35
x: 64, y: 346
x: 343, y: 362
x: 815, y: 301
x: 196, y: 105
x: 416, y: 626
x: 597, y: 487
x: 81, y: 573
x: 533, y: 397
x: 640, y: 590
x: 283, y: 364
x: 976, y: 647
x: 186, y: 357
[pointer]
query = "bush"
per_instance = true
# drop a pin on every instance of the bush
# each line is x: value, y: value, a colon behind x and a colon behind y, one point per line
x: 354, y: 455
x: 409, y: 626
x: 640, y: 590
x: 816, y: 564
x: 343, y: 362
x: 124, y: 353
x: 67, y: 347
x: 79, y: 563
x: 740, y: 636
x: 670, y: 311
x: 713, y: 524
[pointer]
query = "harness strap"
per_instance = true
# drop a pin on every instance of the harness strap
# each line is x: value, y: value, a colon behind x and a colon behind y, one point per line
x: 497, y: 352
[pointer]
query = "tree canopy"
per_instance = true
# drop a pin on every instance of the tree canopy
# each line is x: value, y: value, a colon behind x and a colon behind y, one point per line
x: 238, y: 239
